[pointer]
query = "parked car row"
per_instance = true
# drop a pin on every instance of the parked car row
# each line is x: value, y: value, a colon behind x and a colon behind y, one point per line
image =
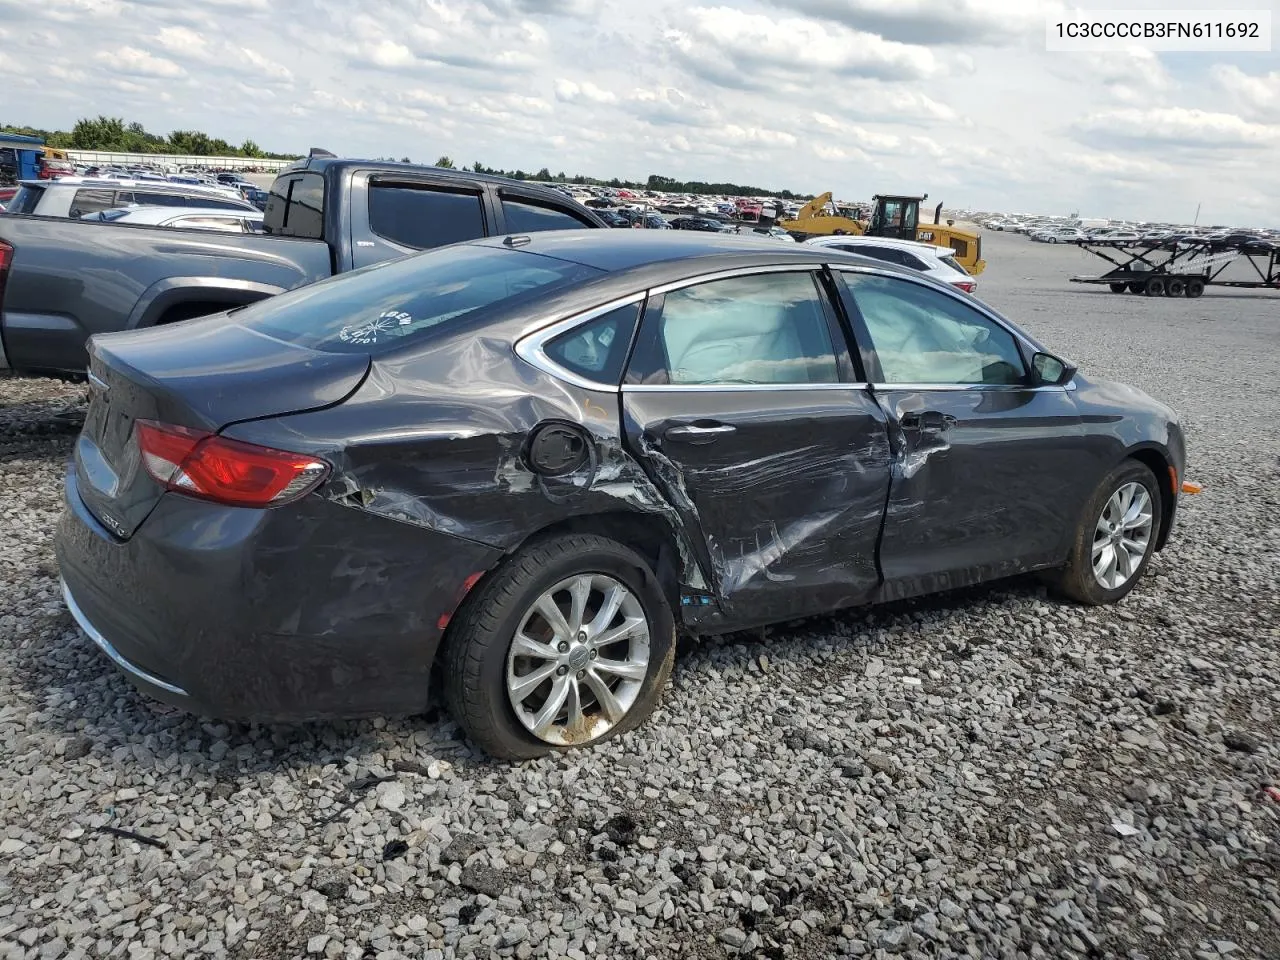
x: 1123, y: 234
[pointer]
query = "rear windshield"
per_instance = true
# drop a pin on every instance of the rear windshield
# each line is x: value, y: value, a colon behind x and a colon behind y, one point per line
x: 295, y: 206
x: 25, y: 200
x: 388, y: 305
x: 950, y: 261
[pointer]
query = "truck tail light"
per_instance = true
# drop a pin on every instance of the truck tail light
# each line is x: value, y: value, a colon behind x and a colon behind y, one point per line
x: 230, y: 472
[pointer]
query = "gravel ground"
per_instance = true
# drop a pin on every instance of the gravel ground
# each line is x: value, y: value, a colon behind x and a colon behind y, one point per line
x: 986, y: 774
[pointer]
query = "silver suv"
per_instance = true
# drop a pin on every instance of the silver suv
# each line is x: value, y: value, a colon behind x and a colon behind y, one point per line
x: 77, y: 196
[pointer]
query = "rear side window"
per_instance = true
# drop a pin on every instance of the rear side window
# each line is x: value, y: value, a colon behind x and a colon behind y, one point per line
x: 25, y: 200
x: 159, y: 199
x: 388, y: 305
x: 213, y: 203
x: 295, y: 206
x: 597, y: 349
x: 422, y: 217
x: 526, y: 216
x: 92, y: 201
x: 769, y: 328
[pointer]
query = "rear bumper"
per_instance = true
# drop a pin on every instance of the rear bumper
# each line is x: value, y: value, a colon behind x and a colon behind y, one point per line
x: 312, y: 611
x: 160, y: 689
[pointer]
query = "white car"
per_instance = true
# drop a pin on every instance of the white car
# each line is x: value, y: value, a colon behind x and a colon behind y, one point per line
x: 930, y: 259
x: 191, y: 218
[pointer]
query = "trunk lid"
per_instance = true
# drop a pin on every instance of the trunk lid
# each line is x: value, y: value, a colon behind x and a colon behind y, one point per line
x: 203, y: 374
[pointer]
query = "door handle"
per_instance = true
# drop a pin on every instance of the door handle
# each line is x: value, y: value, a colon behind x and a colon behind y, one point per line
x: 693, y: 433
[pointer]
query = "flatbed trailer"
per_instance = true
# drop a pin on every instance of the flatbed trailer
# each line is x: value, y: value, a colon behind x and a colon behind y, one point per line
x: 1182, y: 269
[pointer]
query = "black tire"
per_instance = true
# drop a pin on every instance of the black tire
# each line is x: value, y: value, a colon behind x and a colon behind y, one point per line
x: 1076, y: 580
x: 1118, y: 287
x: 474, y: 660
x: 1195, y: 288
x: 1175, y: 287
x: 1155, y: 287
x: 1137, y: 287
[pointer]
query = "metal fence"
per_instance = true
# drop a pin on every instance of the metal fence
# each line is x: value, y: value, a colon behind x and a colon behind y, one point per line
x: 176, y: 160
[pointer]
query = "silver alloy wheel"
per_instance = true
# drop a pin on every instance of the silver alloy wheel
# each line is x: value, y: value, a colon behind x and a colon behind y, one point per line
x: 1122, y: 536
x: 578, y: 659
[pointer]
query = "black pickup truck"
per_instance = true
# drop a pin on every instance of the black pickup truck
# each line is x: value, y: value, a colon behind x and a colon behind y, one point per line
x: 62, y: 280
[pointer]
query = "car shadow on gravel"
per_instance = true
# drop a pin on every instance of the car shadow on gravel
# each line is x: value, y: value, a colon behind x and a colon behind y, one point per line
x: 75, y: 695
x: 780, y: 640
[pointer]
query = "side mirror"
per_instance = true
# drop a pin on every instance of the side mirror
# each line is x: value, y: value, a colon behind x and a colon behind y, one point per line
x: 1052, y: 371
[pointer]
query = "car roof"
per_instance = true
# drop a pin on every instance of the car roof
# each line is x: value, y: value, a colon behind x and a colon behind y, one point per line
x: 931, y: 248
x: 169, y: 185
x: 623, y: 250
x: 319, y: 164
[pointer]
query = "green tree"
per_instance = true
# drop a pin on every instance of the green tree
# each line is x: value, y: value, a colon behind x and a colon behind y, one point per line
x: 250, y: 149
x: 445, y: 162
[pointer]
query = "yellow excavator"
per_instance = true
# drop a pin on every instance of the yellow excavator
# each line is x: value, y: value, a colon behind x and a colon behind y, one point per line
x: 892, y: 217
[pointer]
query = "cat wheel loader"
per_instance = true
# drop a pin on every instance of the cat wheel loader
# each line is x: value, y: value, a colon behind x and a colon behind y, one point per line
x: 891, y: 217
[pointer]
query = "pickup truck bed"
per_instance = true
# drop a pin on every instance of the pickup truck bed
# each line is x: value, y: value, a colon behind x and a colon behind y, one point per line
x: 50, y: 310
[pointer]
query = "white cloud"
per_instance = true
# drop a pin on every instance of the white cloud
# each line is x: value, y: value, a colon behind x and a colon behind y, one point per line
x: 133, y: 62
x: 1179, y: 126
x: 976, y: 22
x: 727, y: 46
x: 1256, y: 95
x: 570, y: 91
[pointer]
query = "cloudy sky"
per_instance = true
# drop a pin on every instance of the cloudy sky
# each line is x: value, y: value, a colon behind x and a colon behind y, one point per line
x: 954, y: 97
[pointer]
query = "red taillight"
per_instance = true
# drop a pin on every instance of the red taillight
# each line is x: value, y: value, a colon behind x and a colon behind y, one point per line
x: 6, y: 261
x: 968, y: 286
x: 226, y: 471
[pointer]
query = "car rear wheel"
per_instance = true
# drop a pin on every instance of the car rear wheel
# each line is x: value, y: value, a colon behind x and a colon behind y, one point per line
x: 1115, y: 538
x: 570, y: 642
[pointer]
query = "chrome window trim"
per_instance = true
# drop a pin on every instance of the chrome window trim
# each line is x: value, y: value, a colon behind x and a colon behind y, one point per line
x: 922, y: 387
x: 531, y: 348
x: 803, y: 266
x: 735, y: 387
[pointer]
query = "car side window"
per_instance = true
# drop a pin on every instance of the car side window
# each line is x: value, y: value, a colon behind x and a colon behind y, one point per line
x: 877, y: 253
x: 423, y: 217
x: 159, y: 199
x: 770, y: 328
x: 597, y: 350
x: 528, y: 216
x: 91, y: 201
x: 921, y: 335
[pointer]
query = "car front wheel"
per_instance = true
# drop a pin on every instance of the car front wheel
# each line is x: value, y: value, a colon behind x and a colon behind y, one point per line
x: 570, y: 642
x: 1115, y: 538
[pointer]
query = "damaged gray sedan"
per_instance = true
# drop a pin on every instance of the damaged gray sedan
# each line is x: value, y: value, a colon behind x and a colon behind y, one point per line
x: 526, y: 463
